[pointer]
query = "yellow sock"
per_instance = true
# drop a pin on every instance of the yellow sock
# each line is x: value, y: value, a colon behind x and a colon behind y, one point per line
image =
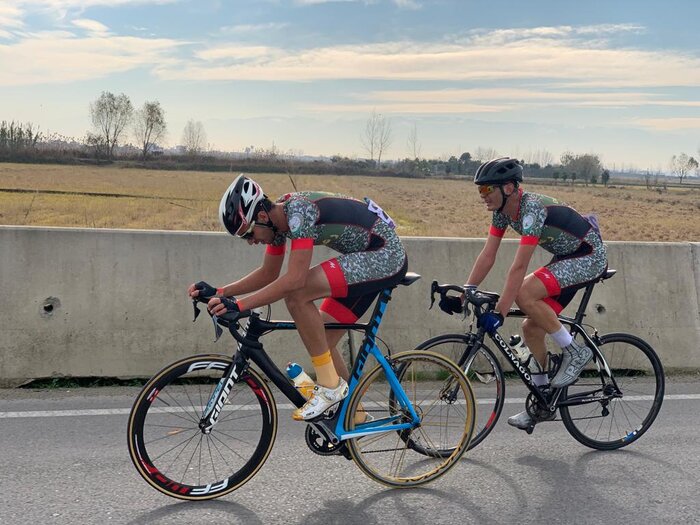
x: 326, y: 374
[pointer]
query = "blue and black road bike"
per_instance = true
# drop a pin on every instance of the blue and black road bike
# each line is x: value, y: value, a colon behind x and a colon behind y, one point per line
x: 204, y: 425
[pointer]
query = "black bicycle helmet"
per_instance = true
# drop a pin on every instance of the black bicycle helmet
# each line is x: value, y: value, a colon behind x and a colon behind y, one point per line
x: 499, y: 171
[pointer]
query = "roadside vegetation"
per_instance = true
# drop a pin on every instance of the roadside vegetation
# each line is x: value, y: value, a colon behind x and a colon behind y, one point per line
x: 111, y: 197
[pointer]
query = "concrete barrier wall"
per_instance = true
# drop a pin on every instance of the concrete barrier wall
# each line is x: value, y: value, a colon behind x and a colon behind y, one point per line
x: 80, y: 302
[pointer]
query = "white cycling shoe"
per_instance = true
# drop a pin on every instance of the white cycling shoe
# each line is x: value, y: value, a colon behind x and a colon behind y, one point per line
x: 573, y: 360
x: 321, y: 399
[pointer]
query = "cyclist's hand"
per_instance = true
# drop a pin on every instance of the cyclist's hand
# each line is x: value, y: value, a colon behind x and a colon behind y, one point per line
x: 222, y: 305
x: 201, y: 290
x: 490, y: 321
x: 450, y: 304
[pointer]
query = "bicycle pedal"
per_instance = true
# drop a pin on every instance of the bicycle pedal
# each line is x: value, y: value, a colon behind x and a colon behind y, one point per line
x: 530, y: 429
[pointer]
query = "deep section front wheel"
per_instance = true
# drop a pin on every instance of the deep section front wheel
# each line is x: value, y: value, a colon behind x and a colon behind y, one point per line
x: 444, y: 402
x: 171, y: 452
x: 485, y: 376
x: 618, y: 399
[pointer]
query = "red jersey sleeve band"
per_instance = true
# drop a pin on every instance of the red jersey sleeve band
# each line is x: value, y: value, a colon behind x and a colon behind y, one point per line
x: 276, y: 250
x: 529, y: 239
x: 302, y: 244
x: 497, y: 232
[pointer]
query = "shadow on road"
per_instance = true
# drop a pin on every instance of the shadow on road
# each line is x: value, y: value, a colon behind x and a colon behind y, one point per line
x: 192, y: 512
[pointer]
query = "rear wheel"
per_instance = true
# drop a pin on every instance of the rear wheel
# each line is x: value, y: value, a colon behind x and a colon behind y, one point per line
x: 170, y: 451
x: 442, y: 398
x: 485, y: 376
x: 618, y: 403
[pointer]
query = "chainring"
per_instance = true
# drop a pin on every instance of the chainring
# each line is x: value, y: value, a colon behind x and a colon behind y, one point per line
x: 318, y: 443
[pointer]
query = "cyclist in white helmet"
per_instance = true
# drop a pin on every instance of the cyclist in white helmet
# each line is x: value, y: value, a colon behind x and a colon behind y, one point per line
x: 371, y: 258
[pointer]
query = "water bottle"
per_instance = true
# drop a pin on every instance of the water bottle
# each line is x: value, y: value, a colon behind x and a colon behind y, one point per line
x: 524, y: 356
x: 303, y: 383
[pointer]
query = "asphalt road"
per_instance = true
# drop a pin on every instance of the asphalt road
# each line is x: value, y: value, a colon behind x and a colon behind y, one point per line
x: 64, y: 459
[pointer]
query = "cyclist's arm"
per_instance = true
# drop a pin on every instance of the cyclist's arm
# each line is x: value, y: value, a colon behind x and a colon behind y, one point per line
x: 484, y: 261
x: 260, y: 277
x: 515, y: 278
x: 293, y: 279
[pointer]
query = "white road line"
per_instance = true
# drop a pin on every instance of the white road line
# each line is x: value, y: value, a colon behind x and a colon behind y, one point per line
x: 280, y: 406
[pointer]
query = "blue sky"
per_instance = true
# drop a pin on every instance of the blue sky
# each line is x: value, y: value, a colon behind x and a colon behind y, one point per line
x: 617, y: 78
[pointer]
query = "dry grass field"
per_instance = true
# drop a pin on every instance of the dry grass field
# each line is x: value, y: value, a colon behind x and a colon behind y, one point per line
x: 182, y: 200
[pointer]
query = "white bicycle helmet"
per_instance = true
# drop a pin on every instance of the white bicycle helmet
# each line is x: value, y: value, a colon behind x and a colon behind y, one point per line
x: 239, y: 205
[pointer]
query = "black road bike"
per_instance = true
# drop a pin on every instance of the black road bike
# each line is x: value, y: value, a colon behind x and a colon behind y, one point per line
x: 204, y: 425
x: 614, y: 401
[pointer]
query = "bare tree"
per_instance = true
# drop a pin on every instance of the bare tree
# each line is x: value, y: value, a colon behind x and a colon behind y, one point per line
x: 377, y: 136
x: 413, y: 144
x: 194, y: 137
x: 541, y: 157
x: 682, y: 165
x: 482, y: 154
x: 149, y: 126
x: 110, y: 116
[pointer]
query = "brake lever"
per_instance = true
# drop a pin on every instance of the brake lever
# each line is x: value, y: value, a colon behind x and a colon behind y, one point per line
x: 196, y: 309
x: 217, y: 329
x: 433, y: 288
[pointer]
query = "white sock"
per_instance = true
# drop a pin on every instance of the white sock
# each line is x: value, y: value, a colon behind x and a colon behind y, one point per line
x: 562, y: 337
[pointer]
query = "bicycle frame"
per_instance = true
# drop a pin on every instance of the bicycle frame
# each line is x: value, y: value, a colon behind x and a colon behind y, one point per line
x: 575, y: 328
x: 251, y: 349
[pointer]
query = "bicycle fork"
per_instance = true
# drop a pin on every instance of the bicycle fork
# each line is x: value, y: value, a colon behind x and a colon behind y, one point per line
x: 218, y: 398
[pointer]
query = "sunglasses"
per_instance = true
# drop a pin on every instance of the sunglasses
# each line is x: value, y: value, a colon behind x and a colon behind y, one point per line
x: 248, y: 233
x: 485, y: 189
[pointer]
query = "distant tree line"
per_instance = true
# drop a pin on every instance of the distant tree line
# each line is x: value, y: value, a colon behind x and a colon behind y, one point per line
x: 116, y: 123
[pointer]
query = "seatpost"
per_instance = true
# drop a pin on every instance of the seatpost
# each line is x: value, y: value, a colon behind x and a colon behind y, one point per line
x: 581, y: 312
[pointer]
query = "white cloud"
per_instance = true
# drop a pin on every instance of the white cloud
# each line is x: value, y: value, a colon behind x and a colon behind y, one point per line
x: 10, y: 16
x: 517, y: 97
x: 254, y: 28
x: 318, y: 2
x: 91, y: 26
x: 407, y: 4
x: 60, y: 57
x: 670, y: 124
x: 425, y: 107
x: 62, y: 5
x: 404, y: 4
x: 566, y: 62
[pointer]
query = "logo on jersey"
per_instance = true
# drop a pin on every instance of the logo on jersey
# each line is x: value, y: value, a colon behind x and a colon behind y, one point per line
x: 294, y: 223
x: 528, y: 221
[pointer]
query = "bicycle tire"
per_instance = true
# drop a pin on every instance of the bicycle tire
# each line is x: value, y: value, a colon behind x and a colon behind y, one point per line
x: 640, y: 378
x: 170, y: 451
x: 485, y: 376
x: 390, y: 457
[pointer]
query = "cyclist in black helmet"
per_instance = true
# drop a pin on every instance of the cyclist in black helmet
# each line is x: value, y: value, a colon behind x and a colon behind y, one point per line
x: 579, y: 258
x: 371, y: 258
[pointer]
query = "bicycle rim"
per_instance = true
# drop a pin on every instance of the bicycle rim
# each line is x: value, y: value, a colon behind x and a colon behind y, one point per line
x: 485, y: 377
x: 406, y: 458
x: 168, y: 448
x: 619, y: 421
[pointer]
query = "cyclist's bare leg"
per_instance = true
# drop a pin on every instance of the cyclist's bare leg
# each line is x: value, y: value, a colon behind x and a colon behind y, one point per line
x: 332, y: 338
x: 534, y: 339
x: 542, y: 319
x: 300, y: 304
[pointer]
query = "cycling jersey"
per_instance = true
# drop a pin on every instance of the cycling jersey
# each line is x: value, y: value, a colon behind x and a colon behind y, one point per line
x: 579, y: 253
x: 372, y: 256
